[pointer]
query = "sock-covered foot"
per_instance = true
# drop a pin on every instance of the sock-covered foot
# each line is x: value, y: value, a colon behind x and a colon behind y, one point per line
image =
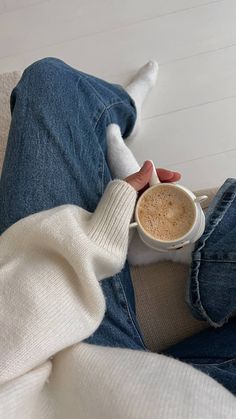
x: 120, y: 158
x: 140, y: 86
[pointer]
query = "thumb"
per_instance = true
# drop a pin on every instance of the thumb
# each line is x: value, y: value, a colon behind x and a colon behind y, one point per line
x: 140, y: 179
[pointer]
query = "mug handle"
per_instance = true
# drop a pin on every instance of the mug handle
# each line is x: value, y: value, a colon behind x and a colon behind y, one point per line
x: 200, y: 199
x: 133, y: 225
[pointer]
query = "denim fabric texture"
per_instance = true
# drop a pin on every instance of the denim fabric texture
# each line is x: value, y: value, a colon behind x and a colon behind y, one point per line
x: 211, y: 292
x: 56, y: 155
x: 212, y: 351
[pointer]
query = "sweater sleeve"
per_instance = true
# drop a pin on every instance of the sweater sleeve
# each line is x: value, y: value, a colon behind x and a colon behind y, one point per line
x: 109, y: 225
x: 50, y: 263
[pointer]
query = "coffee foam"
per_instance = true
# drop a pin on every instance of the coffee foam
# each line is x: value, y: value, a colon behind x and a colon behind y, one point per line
x: 166, y: 213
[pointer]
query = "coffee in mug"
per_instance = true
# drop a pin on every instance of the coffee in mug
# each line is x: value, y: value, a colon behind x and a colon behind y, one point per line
x: 166, y: 213
x: 168, y: 216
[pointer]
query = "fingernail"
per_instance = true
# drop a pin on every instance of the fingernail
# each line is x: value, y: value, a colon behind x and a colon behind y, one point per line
x: 148, y: 165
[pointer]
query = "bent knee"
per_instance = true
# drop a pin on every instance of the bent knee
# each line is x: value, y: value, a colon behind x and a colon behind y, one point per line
x: 48, y: 81
x: 43, y: 63
x: 45, y: 70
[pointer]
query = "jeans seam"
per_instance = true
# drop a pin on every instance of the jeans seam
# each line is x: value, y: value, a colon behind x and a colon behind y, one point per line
x: 94, y: 90
x: 216, y: 219
x: 216, y: 260
x: 107, y: 109
x: 195, y: 303
x: 100, y: 99
x: 215, y: 364
x: 130, y: 317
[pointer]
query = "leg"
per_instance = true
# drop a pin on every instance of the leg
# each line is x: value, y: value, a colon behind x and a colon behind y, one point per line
x: 121, y: 160
x: 140, y: 86
x: 212, y: 351
x: 211, y: 293
x: 56, y: 154
x: 56, y: 147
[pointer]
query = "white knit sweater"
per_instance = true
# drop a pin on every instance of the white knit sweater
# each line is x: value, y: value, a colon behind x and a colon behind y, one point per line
x: 51, y: 300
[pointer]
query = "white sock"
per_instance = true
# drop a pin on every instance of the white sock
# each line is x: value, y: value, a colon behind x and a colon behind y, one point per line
x: 140, y: 86
x: 120, y: 158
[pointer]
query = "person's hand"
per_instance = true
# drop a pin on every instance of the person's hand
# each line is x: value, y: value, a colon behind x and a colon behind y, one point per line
x: 140, y: 180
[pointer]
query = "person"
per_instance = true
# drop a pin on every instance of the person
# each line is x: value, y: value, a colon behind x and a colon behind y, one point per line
x: 56, y: 155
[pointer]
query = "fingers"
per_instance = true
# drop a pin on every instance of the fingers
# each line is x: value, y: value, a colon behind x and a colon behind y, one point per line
x: 168, y: 175
x: 164, y: 176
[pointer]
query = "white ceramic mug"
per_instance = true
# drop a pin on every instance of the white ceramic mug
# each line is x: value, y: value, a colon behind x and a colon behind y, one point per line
x: 191, y: 236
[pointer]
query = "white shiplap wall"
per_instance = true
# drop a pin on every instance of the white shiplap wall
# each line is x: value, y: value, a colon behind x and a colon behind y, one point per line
x: 189, y: 121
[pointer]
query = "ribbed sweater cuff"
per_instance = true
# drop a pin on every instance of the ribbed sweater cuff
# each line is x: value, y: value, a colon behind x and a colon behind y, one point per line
x: 109, y: 225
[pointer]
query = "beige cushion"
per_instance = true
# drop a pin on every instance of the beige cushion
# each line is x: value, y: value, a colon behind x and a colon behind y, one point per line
x: 7, y: 82
x: 159, y: 288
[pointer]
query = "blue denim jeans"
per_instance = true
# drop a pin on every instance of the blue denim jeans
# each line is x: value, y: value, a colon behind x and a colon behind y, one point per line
x: 56, y: 154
